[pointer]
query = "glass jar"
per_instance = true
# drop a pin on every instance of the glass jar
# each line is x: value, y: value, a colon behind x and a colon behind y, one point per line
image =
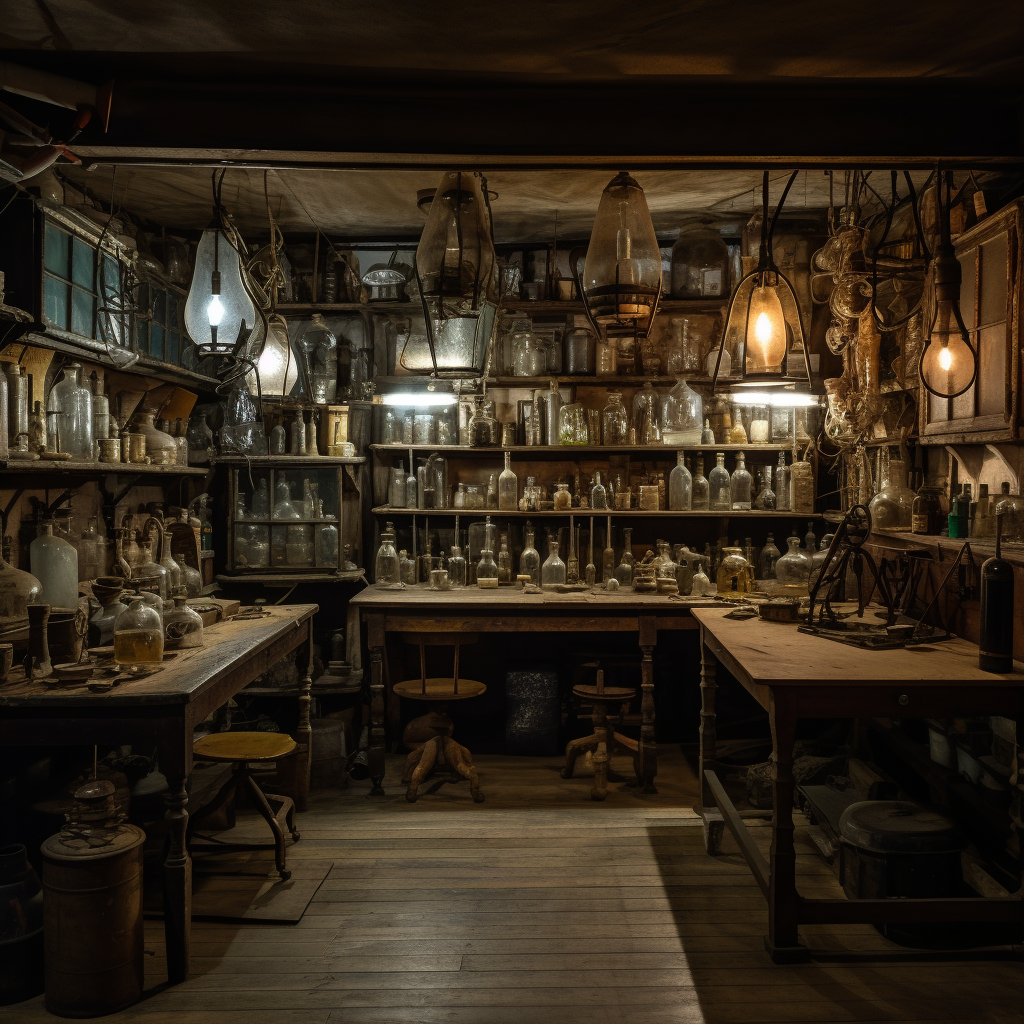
x: 719, y: 491
x: 483, y: 427
x: 740, y: 485
x: 794, y: 568
x: 138, y: 635
x: 607, y: 357
x: 386, y: 569
x: 529, y: 354
x: 561, y: 499
x: 572, y: 424
x: 72, y: 402
x: 769, y: 556
x: 680, y: 486
x: 508, y: 487
x: 486, y: 570
x: 759, y: 426
x: 54, y: 563
x: 183, y: 626
x: 423, y: 428
x: 614, y: 421
x: 552, y: 572
x: 700, y: 487
x: 682, y: 416
x: 579, y: 352
x: 734, y: 573
x: 18, y: 589
x: 529, y: 559
x: 700, y: 262
x: 664, y: 566
x: 892, y: 507
x: 927, y: 516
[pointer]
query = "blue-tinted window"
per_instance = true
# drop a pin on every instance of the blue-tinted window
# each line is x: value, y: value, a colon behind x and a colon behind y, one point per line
x: 82, y: 308
x: 83, y: 263
x: 57, y: 249
x: 55, y: 301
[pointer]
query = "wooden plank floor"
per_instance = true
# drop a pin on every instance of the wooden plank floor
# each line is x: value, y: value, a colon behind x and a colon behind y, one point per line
x: 540, y: 907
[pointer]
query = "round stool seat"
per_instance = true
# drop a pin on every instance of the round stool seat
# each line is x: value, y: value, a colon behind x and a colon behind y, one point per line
x: 243, y: 746
x: 439, y: 688
x: 609, y: 695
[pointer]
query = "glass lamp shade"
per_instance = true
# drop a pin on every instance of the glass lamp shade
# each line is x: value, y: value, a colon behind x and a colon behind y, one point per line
x: 457, y: 274
x: 948, y: 361
x: 226, y: 311
x: 622, y: 273
x: 277, y: 365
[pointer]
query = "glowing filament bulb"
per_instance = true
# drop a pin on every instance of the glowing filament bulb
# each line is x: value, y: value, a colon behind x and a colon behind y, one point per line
x: 763, y: 331
x: 945, y: 357
x: 215, y: 311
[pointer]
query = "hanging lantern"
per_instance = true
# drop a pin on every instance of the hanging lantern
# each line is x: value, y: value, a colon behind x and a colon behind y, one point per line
x: 277, y: 366
x: 948, y: 361
x: 456, y: 271
x: 621, y: 279
x: 764, y: 316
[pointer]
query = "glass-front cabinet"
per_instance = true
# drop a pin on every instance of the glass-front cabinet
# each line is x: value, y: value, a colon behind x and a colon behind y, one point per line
x: 293, y: 516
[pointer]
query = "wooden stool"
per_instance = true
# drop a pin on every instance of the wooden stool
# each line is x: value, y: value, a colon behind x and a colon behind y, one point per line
x: 240, y: 748
x: 604, y: 741
x: 441, y: 757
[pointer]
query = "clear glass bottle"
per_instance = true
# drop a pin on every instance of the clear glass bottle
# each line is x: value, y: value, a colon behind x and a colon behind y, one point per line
x: 719, y: 492
x: 700, y: 487
x: 664, y: 565
x: 707, y: 435
x: 90, y: 552
x: 183, y: 626
x: 607, y: 356
x: 765, y: 499
x: 552, y: 572
x: 150, y: 568
x: 169, y: 564
x: 406, y: 568
x: 680, y: 486
x: 624, y: 570
x: 139, y: 635
x: 411, y: 485
x: 73, y: 403
x: 508, y: 487
x: 794, y: 567
x: 529, y: 560
x: 682, y: 415
x: 18, y: 589
x: 297, y: 434
x: 598, y: 494
x: 386, y: 567
x: 782, y: 491
x: 614, y: 421
x: 734, y: 573
x: 327, y: 542
x: 492, y: 491
x: 700, y: 262
x: 645, y: 418
x: 769, y: 556
x: 572, y: 561
x: 200, y: 439
x: 810, y: 541
x: 608, y: 555
x: 504, y: 562
x: 740, y: 485
x: 278, y: 440
x: 486, y: 570
x: 54, y: 562
x: 456, y: 564
x: 892, y: 507
x: 319, y: 348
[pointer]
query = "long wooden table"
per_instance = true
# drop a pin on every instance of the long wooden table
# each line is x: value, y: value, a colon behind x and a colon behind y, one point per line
x: 160, y: 711
x: 417, y: 609
x: 794, y: 675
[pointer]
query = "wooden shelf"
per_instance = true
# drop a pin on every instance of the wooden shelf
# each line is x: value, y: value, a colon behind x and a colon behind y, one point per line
x: 573, y: 451
x: 595, y: 381
x: 46, y: 467
x: 293, y: 691
x: 387, y: 510
x: 540, y: 307
x: 298, y: 576
x: 289, y: 461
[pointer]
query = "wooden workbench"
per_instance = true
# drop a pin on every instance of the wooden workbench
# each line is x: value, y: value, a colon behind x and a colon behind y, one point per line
x: 417, y: 609
x: 160, y: 711
x: 794, y: 675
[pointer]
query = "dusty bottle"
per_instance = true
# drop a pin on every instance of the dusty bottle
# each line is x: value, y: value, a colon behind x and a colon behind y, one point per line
x: 529, y: 560
x: 680, y: 486
x: 740, y: 485
x: 504, y: 562
x: 456, y: 564
x: 598, y: 494
x: 699, y: 487
x: 552, y: 572
x: 769, y: 556
x: 508, y: 487
x: 720, y: 495
x: 54, y: 562
x: 138, y: 635
x: 608, y: 555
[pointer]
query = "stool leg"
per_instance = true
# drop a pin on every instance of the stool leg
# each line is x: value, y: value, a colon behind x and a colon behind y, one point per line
x: 268, y: 814
x: 462, y: 761
x: 428, y: 755
x: 573, y: 749
x: 603, y: 753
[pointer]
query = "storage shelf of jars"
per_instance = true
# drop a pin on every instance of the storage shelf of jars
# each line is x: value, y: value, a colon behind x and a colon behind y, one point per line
x: 296, y: 575
x: 570, y: 450
x: 601, y: 513
x: 41, y: 467
x: 539, y: 307
x: 289, y: 461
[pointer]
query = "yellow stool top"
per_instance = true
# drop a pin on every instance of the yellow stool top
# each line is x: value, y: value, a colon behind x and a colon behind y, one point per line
x: 440, y: 689
x: 243, y: 746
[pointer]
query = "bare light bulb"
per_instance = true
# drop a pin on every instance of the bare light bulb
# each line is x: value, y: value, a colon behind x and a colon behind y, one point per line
x: 215, y: 311
x: 945, y: 358
x: 766, y: 331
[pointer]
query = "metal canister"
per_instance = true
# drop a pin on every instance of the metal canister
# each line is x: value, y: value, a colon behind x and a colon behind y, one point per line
x: 92, y: 909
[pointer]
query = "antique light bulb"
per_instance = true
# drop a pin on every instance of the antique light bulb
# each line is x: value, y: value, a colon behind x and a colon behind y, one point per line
x: 215, y: 311
x: 945, y: 357
x: 766, y: 331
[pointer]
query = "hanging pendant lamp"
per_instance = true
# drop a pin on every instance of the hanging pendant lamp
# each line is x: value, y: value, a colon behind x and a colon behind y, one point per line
x: 763, y: 323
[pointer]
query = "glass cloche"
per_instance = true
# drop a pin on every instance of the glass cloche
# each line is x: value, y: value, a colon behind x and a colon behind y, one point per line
x: 700, y: 262
x: 682, y: 415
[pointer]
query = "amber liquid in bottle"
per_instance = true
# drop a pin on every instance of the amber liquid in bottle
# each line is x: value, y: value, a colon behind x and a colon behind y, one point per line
x: 138, y: 646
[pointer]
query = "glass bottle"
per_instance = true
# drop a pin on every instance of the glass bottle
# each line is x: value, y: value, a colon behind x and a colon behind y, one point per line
x: 598, y: 494
x: 200, y: 439
x: 553, y: 417
x: 552, y: 572
x: 892, y: 507
x: 579, y: 352
x: 327, y: 542
x: 810, y: 541
x: 782, y: 494
x: 182, y: 624
x: 700, y: 487
x: 765, y: 499
x: 562, y: 499
x: 411, y: 485
x: 794, y: 567
x: 406, y: 568
x: 319, y: 348
x: 486, y: 570
x: 719, y: 492
x: 664, y: 565
x: 278, y: 440
x: 624, y: 570
x: 740, y: 485
x: 54, y: 562
x: 680, y: 486
x: 73, y: 404
x: 682, y: 413
x: 504, y: 562
x: 150, y: 568
x: 456, y: 564
x: 572, y: 425
x: 734, y: 575
x: 608, y: 555
x: 37, y: 429
x: 90, y: 552
x: 459, y: 498
x: 607, y: 356
x: 18, y: 589
x: 529, y: 560
x: 926, y: 515
x: 492, y: 491
x: 614, y: 421
x: 138, y: 635
x: 297, y: 434
x: 261, y: 500
x: 169, y: 564
x: 645, y: 418
x: 386, y: 570
x: 508, y: 487
x: 769, y: 556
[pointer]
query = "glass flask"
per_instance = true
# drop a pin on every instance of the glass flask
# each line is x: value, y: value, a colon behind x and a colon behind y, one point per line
x: 18, y: 589
x: 529, y: 559
x: 892, y: 507
x: 183, y: 626
x: 138, y: 635
x: 72, y: 402
x: 456, y: 564
x: 794, y: 567
x: 386, y: 569
x: 598, y: 494
x: 682, y: 414
x: 740, y: 485
x: 680, y: 486
x: 552, y: 572
x: 200, y: 439
x: 719, y: 491
x: 149, y: 568
x: 734, y: 573
x: 700, y: 487
x: 167, y: 561
x: 615, y: 421
x: 700, y: 262
x: 572, y: 424
x: 769, y: 556
x: 508, y: 487
x: 319, y: 349
x: 504, y: 562
x: 486, y: 570
x: 645, y: 422
x: 327, y: 543
x: 664, y: 565
x: 406, y: 568
x: 54, y: 563
x: 562, y: 499
x: 579, y: 352
x: 782, y: 492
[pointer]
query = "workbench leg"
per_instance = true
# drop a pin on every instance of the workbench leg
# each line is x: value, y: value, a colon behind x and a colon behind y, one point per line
x: 177, y: 880
x: 714, y: 823
x: 304, y: 731
x: 375, y: 754
x: 648, y: 759
x: 1017, y: 794
x: 782, y: 941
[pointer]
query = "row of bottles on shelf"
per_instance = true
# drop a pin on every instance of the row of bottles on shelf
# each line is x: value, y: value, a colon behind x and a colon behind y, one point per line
x: 685, y: 489
x: 491, y: 561
x: 655, y: 416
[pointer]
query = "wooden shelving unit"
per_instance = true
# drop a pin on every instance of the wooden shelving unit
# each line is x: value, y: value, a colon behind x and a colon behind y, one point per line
x: 573, y: 451
x: 598, y: 513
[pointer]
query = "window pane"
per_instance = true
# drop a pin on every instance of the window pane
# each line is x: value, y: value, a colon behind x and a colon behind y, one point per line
x: 55, y: 302
x: 173, y: 343
x: 142, y: 336
x: 83, y: 263
x: 57, y: 248
x: 993, y: 281
x: 156, y: 340
x: 160, y: 306
x: 82, y: 306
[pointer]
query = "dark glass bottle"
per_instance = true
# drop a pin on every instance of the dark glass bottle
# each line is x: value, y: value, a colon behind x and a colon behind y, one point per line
x: 995, y: 648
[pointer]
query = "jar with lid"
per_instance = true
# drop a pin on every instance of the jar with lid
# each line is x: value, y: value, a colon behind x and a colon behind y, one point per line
x: 700, y: 262
x: 138, y: 635
x: 183, y: 626
x: 734, y: 573
x: 682, y: 415
x: 579, y: 349
x: 614, y: 420
x: 928, y: 515
x: 72, y: 401
x: 572, y: 424
x: 529, y: 355
x: 386, y: 570
x: 719, y: 491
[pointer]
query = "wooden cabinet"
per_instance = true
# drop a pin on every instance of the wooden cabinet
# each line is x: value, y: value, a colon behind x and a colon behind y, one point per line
x: 990, y: 301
